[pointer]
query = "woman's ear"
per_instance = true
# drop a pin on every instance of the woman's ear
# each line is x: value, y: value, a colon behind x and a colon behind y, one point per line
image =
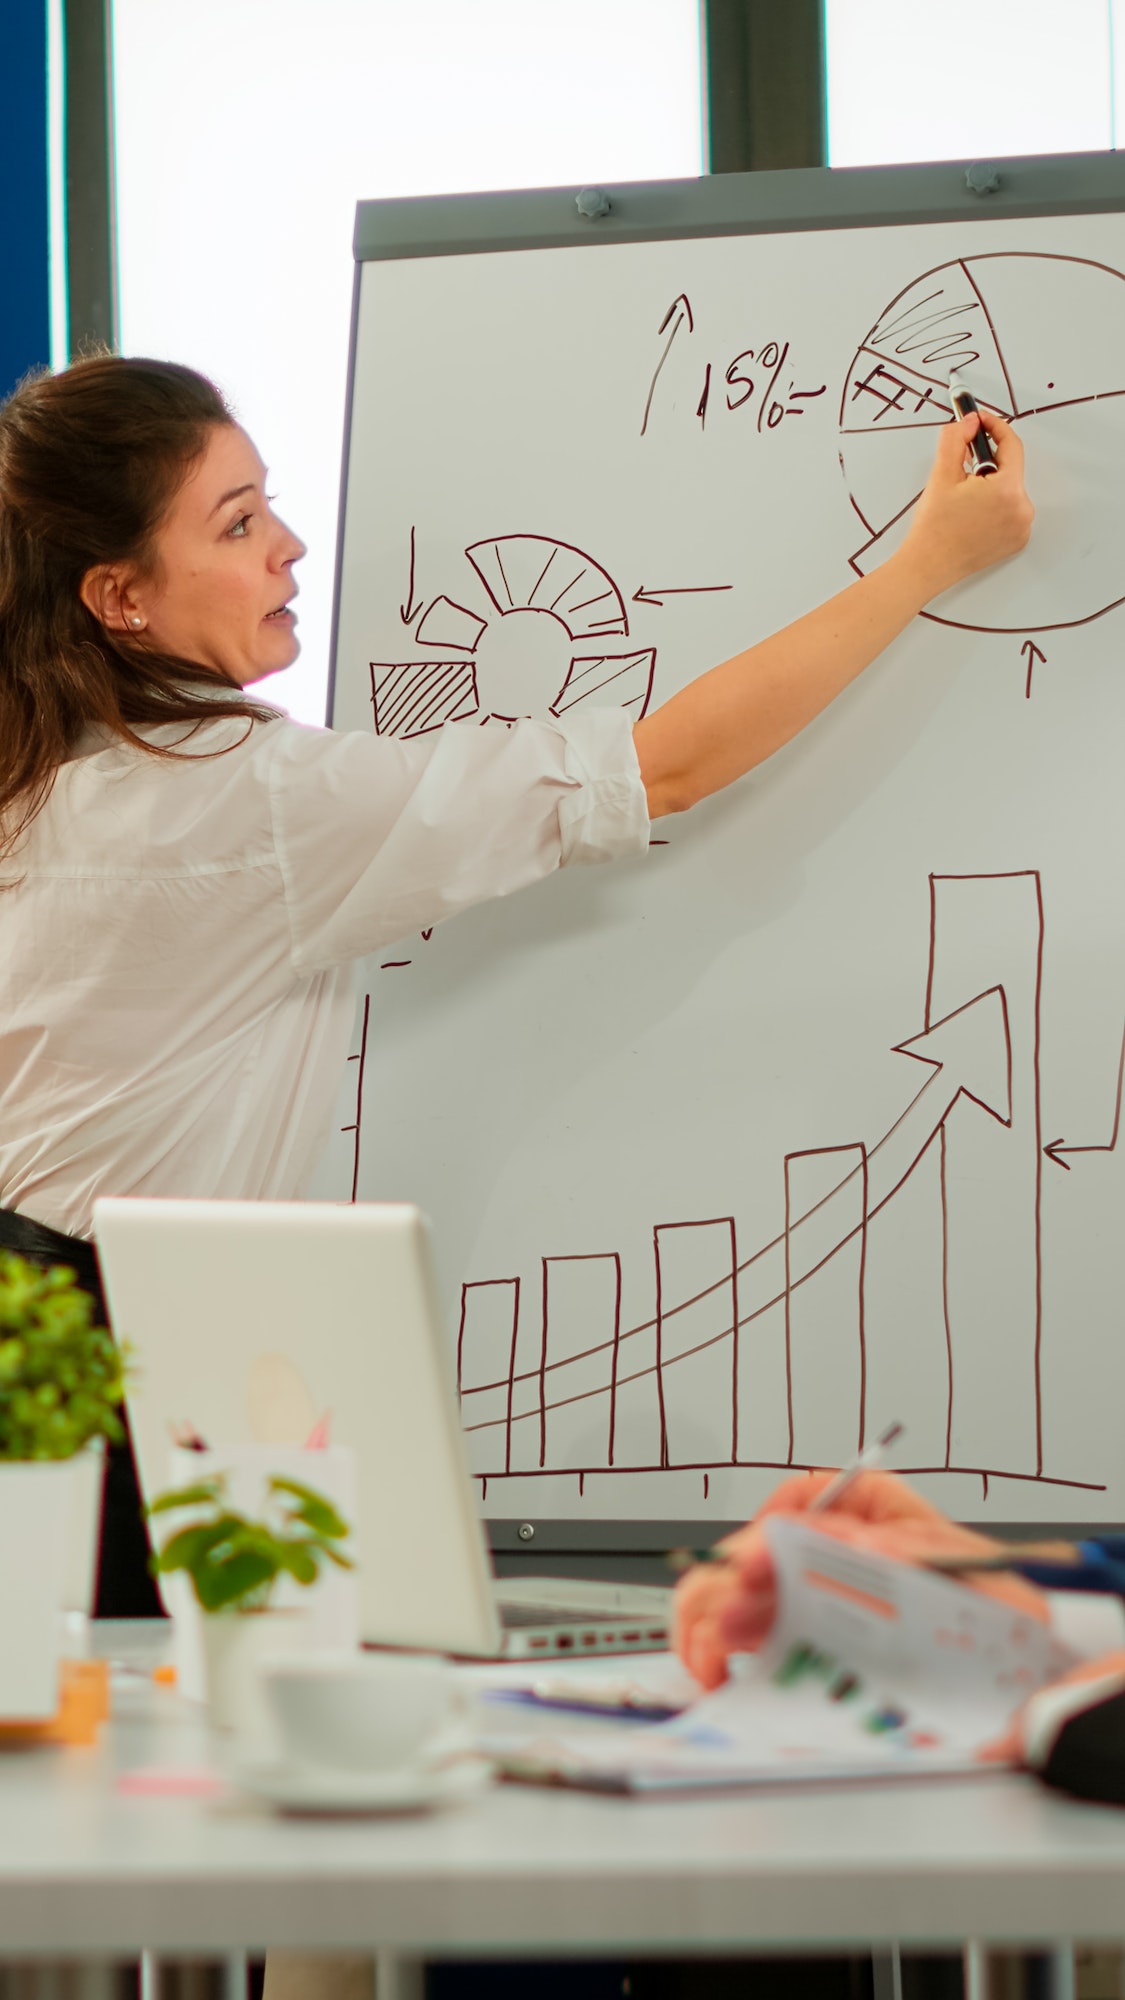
x: 108, y: 597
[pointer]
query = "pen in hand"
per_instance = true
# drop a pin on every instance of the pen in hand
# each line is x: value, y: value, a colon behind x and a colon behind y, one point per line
x: 867, y: 1460
x: 864, y: 1461
x: 982, y: 458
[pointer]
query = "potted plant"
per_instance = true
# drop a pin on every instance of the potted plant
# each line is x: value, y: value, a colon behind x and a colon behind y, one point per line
x: 62, y: 1382
x: 234, y: 1565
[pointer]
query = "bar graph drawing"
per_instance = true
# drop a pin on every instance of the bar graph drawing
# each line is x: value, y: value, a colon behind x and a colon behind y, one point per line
x: 756, y: 1353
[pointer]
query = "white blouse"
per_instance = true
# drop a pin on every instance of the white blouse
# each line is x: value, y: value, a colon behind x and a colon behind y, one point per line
x: 177, y: 938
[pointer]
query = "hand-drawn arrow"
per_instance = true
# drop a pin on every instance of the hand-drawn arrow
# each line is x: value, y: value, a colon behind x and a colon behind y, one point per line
x: 645, y: 595
x: 677, y: 319
x: 1030, y: 651
x: 1057, y: 1146
x: 970, y: 1055
x: 409, y: 611
x: 681, y: 299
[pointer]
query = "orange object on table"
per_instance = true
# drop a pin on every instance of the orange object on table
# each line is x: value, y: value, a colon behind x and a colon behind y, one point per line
x: 83, y: 1707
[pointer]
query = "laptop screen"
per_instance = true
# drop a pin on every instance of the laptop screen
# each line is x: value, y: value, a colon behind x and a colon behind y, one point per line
x: 252, y: 1321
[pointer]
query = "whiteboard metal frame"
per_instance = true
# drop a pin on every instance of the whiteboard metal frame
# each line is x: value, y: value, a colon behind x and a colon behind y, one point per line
x: 635, y: 1551
x: 799, y: 198
x: 1035, y: 185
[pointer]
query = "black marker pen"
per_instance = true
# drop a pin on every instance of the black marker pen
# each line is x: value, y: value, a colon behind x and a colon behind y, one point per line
x: 980, y: 447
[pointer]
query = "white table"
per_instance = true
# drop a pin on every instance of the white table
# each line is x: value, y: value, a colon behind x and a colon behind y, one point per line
x: 88, y: 1872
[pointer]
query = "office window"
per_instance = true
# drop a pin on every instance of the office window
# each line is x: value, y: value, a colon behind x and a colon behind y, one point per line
x: 245, y: 135
x: 975, y: 78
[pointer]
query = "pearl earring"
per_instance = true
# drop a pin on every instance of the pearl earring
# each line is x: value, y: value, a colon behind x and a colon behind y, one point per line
x: 136, y: 621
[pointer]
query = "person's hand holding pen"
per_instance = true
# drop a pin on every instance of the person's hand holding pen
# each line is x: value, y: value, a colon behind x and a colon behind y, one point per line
x: 729, y: 1606
x: 961, y: 525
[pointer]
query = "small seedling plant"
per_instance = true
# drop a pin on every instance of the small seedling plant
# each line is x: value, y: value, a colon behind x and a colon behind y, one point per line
x: 62, y: 1379
x: 234, y: 1563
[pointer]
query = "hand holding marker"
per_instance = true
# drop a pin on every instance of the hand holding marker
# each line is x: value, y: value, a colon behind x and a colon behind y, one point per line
x: 965, y: 405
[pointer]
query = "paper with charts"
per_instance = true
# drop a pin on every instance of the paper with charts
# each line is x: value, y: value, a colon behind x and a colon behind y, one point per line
x: 810, y: 1119
x: 872, y: 1669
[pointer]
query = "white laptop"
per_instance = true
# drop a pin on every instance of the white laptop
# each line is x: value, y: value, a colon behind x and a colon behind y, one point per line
x: 252, y: 1320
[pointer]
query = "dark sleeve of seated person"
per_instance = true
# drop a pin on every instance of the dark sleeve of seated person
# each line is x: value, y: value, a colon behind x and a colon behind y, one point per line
x: 1086, y: 1756
x: 1074, y: 1733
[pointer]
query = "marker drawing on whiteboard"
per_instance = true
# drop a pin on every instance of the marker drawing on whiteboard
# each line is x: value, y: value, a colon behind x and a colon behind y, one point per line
x: 739, y: 388
x: 577, y: 1387
x: 543, y: 643
x: 359, y: 1057
x: 409, y: 611
x: 1030, y: 652
x: 681, y: 299
x: 1058, y: 1147
x: 648, y: 595
x: 980, y: 445
x: 989, y: 318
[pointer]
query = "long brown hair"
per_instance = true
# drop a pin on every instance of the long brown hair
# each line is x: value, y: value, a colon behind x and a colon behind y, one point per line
x: 90, y: 461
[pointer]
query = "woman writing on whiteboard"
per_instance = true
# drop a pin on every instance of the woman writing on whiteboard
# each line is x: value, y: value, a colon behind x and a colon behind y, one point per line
x: 186, y: 878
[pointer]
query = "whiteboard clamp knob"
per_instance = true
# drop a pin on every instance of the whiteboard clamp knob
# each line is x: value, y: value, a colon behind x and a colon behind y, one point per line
x: 980, y: 178
x: 592, y: 203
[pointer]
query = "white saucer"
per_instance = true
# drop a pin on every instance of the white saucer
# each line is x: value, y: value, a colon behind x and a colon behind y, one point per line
x: 304, y: 1788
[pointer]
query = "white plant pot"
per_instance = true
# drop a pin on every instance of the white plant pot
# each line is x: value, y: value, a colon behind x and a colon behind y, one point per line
x: 234, y: 1645
x: 88, y: 1471
x: 36, y: 1506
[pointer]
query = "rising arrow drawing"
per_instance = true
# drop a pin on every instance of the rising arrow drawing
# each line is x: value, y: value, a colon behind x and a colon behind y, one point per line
x: 676, y: 319
x: 969, y: 1053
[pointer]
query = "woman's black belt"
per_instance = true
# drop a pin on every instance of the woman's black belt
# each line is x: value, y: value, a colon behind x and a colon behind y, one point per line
x: 44, y: 1246
x: 125, y: 1588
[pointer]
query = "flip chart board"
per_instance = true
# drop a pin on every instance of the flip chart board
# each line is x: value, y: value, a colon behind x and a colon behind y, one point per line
x: 810, y: 1119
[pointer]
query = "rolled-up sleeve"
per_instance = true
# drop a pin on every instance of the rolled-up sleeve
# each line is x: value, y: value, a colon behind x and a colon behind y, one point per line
x: 378, y: 837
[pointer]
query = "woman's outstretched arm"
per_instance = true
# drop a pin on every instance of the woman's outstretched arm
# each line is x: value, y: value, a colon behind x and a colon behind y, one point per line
x: 739, y: 713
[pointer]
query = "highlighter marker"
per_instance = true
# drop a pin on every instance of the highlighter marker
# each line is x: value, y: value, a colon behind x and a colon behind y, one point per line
x: 980, y: 447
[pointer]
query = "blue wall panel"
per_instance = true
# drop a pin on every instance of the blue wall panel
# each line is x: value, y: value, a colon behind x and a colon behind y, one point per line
x: 25, y: 323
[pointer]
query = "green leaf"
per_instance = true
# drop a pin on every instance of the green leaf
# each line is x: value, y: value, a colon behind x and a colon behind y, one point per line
x: 205, y: 1493
x: 315, y: 1511
x: 298, y: 1558
x: 243, y: 1576
x: 191, y: 1548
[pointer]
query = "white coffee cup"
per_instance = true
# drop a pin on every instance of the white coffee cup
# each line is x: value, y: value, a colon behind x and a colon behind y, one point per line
x: 359, y: 1712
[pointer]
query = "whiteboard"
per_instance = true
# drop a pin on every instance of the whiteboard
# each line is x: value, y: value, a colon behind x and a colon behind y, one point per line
x: 809, y: 1120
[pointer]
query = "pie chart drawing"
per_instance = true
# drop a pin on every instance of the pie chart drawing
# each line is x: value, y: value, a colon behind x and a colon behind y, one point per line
x: 546, y: 640
x: 1041, y: 339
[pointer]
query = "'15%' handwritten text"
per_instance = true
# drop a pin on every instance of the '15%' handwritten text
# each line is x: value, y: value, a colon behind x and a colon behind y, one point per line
x: 758, y: 380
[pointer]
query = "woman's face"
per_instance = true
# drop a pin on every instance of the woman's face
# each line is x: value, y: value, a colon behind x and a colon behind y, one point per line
x: 223, y: 585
